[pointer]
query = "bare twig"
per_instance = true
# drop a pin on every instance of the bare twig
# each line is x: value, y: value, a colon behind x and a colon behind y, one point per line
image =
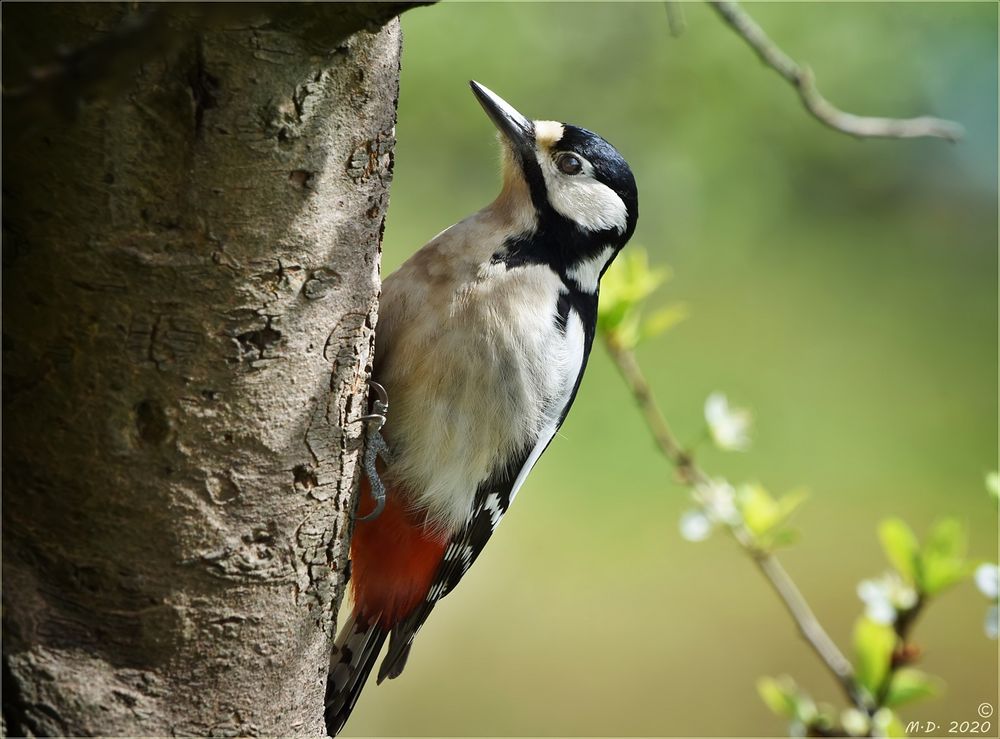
x: 625, y: 360
x: 801, y: 78
x: 691, y: 474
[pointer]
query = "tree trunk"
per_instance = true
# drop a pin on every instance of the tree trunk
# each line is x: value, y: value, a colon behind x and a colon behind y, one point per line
x: 191, y: 268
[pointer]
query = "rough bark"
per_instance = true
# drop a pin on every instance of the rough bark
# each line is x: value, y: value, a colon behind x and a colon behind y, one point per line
x: 189, y: 293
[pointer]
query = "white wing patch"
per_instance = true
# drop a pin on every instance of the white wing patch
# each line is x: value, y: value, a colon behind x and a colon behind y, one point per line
x: 492, y: 505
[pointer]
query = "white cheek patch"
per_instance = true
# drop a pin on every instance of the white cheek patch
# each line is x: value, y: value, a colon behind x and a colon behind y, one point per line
x: 591, y: 204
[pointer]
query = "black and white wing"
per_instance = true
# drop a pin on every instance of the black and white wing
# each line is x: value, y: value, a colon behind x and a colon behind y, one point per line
x: 492, y: 500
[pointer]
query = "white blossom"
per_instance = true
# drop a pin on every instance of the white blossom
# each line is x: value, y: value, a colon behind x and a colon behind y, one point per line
x: 718, y: 499
x: 988, y: 580
x: 885, y: 597
x: 877, y: 605
x: 695, y: 525
x: 854, y: 722
x: 729, y: 427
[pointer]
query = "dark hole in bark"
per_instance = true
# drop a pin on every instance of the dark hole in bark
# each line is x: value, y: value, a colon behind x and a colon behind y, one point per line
x: 305, y: 476
x: 300, y: 178
x: 257, y: 343
x: 151, y: 422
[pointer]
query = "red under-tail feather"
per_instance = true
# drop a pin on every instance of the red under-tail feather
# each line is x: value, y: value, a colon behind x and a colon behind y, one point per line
x: 393, y: 560
x: 393, y: 563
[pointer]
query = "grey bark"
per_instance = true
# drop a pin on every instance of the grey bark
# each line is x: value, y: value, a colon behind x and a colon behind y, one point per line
x: 191, y: 270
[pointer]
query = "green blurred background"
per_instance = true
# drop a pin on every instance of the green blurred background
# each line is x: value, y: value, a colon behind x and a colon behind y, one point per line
x: 844, y: 290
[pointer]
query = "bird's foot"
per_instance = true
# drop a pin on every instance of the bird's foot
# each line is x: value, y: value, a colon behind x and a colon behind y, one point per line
x: 376, y: 447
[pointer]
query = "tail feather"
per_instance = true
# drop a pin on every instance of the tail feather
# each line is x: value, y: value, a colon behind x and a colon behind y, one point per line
x: 395, y: 660
x: 356, y: 649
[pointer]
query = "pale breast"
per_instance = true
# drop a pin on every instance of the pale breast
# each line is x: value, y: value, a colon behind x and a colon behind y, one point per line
x: 476, y: 374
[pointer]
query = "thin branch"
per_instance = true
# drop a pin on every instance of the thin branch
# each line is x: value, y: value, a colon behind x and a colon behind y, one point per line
x: 691, y: 474
x: 801, y: 78
x: 810, y: 628
x: 624, y: 359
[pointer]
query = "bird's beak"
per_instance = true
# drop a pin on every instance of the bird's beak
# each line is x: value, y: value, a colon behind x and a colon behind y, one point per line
x: 517, y: 129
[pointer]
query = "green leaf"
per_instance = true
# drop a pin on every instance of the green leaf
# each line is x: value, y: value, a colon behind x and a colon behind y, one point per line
x: 627, y: 332
x: 790, y: 502
x: 941, y: 574
x: 785, y: 699
x: 993, y: 484
x: 627, y: 283
x: 942, y: 561
x: 663, y: 320
x: 873, y: 647
x: 778, y: 695
x: 947, y: 539
x: 760, y: 510
x: 612, y: 314
x: 764, y: 516
x: 902, y: 548
x: 909, y: 685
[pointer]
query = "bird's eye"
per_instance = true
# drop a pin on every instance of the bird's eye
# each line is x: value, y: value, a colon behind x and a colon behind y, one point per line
x: 570, y: 164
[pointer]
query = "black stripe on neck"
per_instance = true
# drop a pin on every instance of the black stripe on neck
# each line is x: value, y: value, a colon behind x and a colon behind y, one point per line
x: 558, y: 244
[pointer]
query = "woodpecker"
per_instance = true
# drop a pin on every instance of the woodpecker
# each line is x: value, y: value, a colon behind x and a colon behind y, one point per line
x: 482, y: 340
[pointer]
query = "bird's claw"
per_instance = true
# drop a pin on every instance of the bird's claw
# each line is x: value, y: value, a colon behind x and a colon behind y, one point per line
x: 376, y: 447
x: 380, y: 407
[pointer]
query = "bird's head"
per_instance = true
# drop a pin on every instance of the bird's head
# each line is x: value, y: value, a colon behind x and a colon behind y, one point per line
x: 578, y: 192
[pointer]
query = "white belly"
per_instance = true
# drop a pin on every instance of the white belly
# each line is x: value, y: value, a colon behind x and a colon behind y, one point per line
x: 473, y: 382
